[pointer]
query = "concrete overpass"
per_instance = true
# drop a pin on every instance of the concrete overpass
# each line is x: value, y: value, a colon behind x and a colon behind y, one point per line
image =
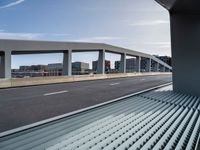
x: 15, y: 47
x: 185, y: 39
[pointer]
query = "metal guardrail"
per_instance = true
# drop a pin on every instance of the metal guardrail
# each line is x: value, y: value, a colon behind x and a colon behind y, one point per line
x: 159, y: 119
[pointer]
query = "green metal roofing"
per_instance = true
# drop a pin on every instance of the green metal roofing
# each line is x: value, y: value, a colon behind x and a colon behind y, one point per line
x: 159, y: 119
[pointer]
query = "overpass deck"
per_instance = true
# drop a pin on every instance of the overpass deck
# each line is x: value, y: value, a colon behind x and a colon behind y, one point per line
x: 158, y: 119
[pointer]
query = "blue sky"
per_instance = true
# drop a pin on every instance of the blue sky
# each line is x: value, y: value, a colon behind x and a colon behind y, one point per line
x: 140, y: 25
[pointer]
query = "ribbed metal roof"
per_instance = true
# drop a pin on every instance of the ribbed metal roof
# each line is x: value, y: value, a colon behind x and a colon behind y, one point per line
x: 159, y: 119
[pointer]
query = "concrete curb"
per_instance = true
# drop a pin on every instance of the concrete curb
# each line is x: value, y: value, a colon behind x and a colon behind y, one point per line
x: 23, y: 82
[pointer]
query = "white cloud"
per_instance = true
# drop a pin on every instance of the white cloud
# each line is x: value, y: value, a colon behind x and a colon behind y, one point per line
x: 29, y: 36
x: 17, y: 2
x: 149, y: 23
x: 99, y: 39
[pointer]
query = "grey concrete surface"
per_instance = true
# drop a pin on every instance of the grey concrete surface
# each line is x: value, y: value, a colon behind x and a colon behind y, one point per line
x: 23, y: 106
x: 185, y: 43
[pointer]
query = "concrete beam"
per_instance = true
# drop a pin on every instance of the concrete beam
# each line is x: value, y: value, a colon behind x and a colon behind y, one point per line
x: 122, y: 68
x: 67, y: 63
x: 5, y: 65
x: 101, y: 62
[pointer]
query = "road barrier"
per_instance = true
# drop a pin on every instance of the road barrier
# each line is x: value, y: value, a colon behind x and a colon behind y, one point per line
x: 20, y: 82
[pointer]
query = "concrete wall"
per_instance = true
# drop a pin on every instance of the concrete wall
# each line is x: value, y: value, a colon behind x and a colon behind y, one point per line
x: 7, y: 83
x: 185, y: 33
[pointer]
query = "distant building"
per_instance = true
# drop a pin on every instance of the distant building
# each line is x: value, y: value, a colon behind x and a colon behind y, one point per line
x: 80, y: 68
x: 30, y: 71
x: 117, y: 65
x: 55, y: 69
x: 143, y: 64
x: 56, y: 66
x: 130, y: 64
x: 34, y: 68
x: 166, y: 59
x: 94, y: 66
x: 107, y: 66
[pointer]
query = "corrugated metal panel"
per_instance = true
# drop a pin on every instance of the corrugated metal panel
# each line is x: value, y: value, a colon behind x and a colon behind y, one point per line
x: 160, y: 119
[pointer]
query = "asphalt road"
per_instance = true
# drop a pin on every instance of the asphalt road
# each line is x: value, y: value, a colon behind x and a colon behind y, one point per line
x: 26, y: 105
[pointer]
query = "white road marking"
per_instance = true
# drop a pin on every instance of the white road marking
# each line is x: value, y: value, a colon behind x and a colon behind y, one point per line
x: 114, y: 84
x: 54, y: 93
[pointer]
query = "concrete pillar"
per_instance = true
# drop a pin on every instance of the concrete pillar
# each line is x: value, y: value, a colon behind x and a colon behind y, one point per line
x: 185, y: 43
x: 101, y: 62
x: 185, y: 36
x: 138, y: 64
x: 5, y: 65
x: 122, y: 68
x: 67, y: 63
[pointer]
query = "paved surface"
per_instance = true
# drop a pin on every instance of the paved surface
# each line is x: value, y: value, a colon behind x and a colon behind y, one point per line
x: 22, y: 106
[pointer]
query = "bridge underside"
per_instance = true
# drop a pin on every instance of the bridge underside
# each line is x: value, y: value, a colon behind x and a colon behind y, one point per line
x: 185, y: 38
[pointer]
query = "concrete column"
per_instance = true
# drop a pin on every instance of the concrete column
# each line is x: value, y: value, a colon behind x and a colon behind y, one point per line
x: 185, y: 43
x: 138, y: 64
x: 67, y: 63
x: 5, y: 65
x: 185, y: 35
x: 122, y: 68
x: 101, y: 62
